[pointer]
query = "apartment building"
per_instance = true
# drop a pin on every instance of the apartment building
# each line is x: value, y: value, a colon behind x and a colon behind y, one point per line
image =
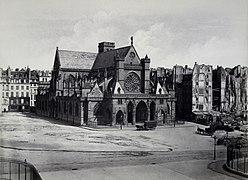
x: 202, y: 88
x: 15, y: 89
x: 19, y: 88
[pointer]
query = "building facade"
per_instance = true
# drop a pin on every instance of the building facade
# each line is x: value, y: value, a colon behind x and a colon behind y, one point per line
x: 184, y: 98
x: 39, y: 79
x: 219, y: 88
x: 1, y: 90
x: 202, y: 88
x: 183, y: 90
x: 110, y: 87
x: 17, y: 88
x: 230, y: 90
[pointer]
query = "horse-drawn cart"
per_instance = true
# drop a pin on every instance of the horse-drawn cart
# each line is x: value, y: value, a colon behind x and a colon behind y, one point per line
x: 148, y: 125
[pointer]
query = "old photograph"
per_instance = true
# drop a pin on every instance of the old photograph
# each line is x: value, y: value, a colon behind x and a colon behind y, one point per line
x: 123, y: 90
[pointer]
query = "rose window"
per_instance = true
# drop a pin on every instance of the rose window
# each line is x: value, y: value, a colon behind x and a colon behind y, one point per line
x: 132, y: 82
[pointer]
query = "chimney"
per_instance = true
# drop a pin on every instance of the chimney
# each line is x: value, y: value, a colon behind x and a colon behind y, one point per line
x: 105, y: 46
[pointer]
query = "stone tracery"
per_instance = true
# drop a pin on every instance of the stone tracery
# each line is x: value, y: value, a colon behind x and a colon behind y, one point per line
x: 132, y: 82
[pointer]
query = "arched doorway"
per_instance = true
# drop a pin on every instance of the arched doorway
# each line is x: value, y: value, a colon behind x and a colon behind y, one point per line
x: 152, y: 111
x: 119, y: 117
x: 97, y: 114
x: 130, y: 112
x: 141, y: 112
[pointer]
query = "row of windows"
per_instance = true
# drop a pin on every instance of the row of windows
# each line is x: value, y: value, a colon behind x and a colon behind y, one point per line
x: 19, y: 81
x: 44, y: 79
x: 19, y: 101
x: 22, y: 94
x: 6, y: 87
x: 34, y: 80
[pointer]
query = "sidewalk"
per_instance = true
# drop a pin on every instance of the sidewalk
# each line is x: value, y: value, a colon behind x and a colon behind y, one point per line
x: 133, y: 127
x: 142, y: 172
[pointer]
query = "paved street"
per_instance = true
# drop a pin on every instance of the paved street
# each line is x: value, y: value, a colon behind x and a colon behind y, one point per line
x: 67, y: 152
x: 173, y: 171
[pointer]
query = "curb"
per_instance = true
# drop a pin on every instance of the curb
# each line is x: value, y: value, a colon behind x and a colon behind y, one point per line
x: 219, y: 167
x: 234, y: 171
x: 124, y: 128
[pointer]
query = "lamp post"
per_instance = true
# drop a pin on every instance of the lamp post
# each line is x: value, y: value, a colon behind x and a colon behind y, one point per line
x: 215, y: 147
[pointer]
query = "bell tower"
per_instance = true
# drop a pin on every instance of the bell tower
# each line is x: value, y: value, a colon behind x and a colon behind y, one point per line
x: 105, y: 46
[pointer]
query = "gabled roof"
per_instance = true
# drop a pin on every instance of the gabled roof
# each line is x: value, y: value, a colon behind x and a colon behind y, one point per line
x: 95, y: 91
x: 76, y: 60
x: 106, y: 59
x: 162, y: 91
x: 118, y: 89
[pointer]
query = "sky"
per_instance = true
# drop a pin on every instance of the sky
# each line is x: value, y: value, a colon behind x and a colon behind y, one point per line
x: 169, y: 31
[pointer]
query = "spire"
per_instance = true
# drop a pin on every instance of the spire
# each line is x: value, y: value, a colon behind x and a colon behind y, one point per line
x: 146, y: 57
x: 131, y: 40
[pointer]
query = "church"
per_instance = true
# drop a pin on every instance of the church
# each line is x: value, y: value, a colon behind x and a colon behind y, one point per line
x: 111, y: 87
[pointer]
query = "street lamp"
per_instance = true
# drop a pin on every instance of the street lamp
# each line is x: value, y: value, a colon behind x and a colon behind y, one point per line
x: 215, y: 147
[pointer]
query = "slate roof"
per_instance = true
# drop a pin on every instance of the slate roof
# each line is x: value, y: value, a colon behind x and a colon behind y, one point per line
x: 106, y: 59
x: 76, y: 60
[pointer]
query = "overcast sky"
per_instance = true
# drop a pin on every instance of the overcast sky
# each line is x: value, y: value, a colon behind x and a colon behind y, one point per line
x: 169, y: 31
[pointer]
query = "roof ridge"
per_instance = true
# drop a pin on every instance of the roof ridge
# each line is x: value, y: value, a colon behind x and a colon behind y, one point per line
x: 114, y: 49
x: 77, y: 51
x: 123, y: 47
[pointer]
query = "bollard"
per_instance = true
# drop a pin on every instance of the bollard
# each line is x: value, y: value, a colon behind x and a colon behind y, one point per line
x: 19, y: 171
x: 214, y: 147
x: 25, y: 171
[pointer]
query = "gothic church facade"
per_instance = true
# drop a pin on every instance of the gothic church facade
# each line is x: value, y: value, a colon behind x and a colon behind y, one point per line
x: 110, y: 87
